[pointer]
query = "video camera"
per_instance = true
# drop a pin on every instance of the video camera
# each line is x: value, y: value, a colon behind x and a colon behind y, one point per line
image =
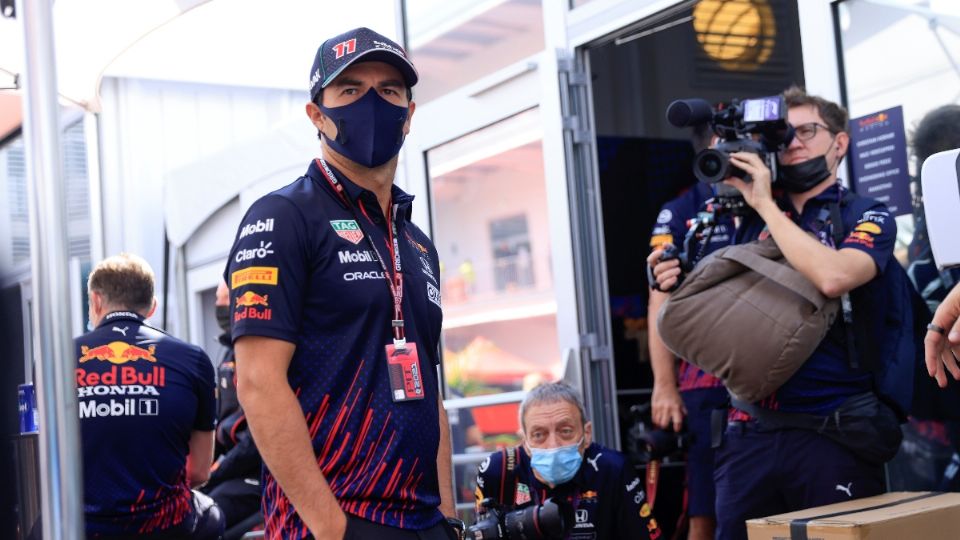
x: 646, y: 443
x: 736, y: 124
x: 551, y: 520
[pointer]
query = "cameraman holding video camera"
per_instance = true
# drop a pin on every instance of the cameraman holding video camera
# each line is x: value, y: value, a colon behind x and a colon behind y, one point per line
x: 559, y: 484
x: 770, y: 460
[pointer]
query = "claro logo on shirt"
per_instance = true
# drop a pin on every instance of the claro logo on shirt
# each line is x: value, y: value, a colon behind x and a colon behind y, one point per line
x: 255, y: 253
x: 260, y: 275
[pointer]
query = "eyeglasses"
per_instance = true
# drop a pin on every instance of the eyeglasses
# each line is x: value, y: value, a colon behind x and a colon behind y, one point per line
x: 807, y: 131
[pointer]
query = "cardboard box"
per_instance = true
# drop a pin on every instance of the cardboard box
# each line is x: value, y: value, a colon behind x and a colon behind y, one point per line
x: 892, y: 516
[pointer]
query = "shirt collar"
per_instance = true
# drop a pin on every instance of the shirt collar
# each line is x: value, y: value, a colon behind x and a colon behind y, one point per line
x: 355, y: 192
x: 115, y: 316
x: 833, y: 193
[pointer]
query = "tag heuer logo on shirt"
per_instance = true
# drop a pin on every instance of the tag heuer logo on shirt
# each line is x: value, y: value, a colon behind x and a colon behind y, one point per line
x: 347, y: 229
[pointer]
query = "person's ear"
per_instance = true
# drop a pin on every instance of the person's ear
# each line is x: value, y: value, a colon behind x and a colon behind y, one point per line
x: 587, y: 434
x: 406, y: 125
x: 315, y: 115
x: 842, y: 143
x: 153, y: 308
x: 95, y: 302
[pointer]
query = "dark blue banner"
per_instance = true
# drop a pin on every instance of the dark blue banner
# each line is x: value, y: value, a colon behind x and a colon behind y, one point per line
x: 878, y: 159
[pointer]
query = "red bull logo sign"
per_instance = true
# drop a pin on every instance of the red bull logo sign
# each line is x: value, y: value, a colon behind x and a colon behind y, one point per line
x: 871, y: 121
x: 117, y: 352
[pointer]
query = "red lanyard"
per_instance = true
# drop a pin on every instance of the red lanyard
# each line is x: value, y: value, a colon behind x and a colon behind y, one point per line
x: 394, y: 282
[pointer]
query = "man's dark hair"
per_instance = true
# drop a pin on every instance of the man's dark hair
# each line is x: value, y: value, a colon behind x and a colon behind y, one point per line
x: 125, y: 281
x: 939, y: 130
x: 833, y: 114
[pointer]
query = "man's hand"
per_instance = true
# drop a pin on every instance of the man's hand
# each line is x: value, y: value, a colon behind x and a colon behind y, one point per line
x: 280, y: 432
x: 758, y: 192
x: 943, y: 339
x: 667, y: 273
x: 667, y: 407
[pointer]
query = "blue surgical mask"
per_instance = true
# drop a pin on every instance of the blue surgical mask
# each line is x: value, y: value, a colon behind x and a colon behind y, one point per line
x: 369, y: 130
x: 556, y: 465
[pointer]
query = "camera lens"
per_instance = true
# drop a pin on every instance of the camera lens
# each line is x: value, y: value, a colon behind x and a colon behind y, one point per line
x: 549, y: 521
x: 710, y: 166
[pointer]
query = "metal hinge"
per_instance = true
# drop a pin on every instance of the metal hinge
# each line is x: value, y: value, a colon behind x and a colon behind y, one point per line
x: 573, y: 125
x: 597, y: 352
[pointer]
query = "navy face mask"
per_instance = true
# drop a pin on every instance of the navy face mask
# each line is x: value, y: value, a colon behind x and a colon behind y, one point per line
x: 369, y: 130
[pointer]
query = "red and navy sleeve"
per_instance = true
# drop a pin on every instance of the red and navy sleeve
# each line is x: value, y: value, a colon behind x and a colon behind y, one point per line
x: 874, y: 233
x: 267, y: 271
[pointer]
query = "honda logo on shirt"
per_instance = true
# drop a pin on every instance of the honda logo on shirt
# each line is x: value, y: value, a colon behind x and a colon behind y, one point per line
x: 581, y: 515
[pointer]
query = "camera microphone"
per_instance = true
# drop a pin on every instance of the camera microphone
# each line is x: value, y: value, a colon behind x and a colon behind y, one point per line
x: 689, y: 112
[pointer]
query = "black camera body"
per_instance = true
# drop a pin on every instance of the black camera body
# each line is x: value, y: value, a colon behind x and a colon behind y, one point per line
x: 551, y: 520
x: 756, y: 125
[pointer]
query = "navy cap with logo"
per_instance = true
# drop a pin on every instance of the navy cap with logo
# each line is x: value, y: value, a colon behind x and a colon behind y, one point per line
x: 357, y: 45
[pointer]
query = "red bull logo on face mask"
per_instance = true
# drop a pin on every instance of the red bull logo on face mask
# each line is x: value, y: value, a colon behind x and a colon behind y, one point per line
x: 117, y: 352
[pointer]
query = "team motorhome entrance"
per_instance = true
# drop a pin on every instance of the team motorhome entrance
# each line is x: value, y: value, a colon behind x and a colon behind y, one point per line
x: 622, y: 84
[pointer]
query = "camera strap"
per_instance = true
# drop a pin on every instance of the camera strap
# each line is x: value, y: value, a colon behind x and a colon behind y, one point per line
x: 831, y: 214
x: 508, y: 471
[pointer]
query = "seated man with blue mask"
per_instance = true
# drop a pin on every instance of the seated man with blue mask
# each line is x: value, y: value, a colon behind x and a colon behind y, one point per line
x: 558, y: 460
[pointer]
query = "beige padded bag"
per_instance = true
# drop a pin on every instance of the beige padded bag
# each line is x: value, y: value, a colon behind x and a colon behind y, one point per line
x: 747, y: 317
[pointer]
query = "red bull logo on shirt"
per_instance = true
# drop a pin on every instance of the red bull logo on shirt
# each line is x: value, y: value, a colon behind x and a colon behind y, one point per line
x: 248, y: 307
x: 115, y: 381
x: 250, y: 298
x: 347, y: 229
x: 117, y: 352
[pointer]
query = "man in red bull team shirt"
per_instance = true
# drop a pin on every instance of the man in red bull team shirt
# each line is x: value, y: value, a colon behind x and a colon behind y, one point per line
x: 336, y: 320
x: 147, y: 403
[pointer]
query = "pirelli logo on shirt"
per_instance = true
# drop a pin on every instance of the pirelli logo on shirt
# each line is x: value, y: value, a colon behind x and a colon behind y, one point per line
x: 255, y: 275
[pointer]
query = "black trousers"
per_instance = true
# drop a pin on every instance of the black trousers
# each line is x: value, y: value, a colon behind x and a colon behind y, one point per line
x: 238, y: 499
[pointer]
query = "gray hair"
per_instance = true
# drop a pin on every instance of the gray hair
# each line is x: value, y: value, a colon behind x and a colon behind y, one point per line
x: 554, y: 392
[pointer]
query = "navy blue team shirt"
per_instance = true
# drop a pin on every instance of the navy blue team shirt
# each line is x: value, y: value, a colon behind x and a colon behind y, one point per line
x: 606, y: 493
x: 141, y: 394
x: 826, y: 379
x: 302, y: 270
